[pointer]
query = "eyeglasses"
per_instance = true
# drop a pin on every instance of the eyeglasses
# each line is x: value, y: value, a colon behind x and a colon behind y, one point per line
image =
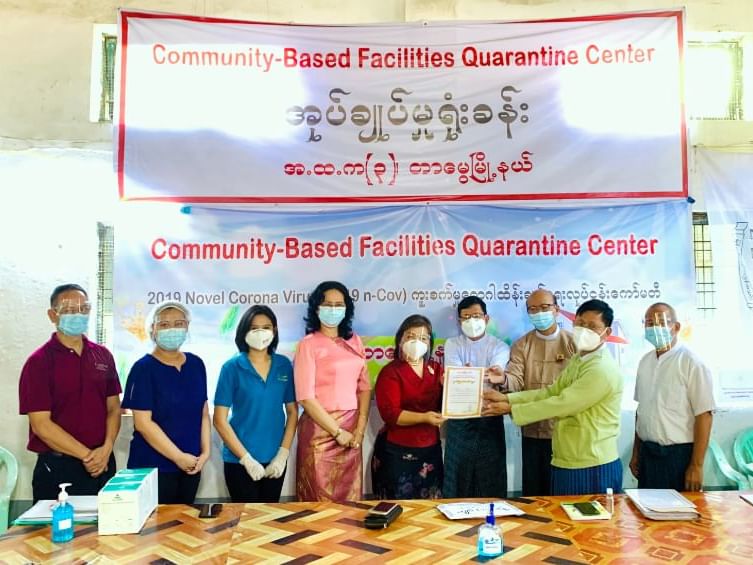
x: 476, y: 316
x: 593, y: 327
x: 540, y: 308
x: 168, y: 325
x: 69, y: 308
x: 426, y: 338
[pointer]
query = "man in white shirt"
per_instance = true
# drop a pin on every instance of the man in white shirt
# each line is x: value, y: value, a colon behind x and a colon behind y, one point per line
x: 675, y: 398
x: 475, y: 463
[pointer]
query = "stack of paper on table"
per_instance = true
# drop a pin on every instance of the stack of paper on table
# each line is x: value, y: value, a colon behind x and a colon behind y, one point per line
x: 662, y: 504
x: 574, y: 514
x: 84, y: 511
x: 463, y: 510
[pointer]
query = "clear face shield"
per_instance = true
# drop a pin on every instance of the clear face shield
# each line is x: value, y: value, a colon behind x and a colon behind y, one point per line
x: 69, y: 306
x: 658, y: 329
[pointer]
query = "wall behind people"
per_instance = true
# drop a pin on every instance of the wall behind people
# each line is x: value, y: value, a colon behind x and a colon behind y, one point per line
x: 57, y: 165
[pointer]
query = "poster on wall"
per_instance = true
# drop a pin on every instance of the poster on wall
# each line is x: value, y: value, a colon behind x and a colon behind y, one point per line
x: 725, y: 179
x: 396, y: 261
x: 228, y: 111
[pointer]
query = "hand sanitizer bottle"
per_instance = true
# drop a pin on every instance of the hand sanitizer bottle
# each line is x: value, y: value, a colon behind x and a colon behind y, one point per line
x: 489, y: 537
x: 62, y: 517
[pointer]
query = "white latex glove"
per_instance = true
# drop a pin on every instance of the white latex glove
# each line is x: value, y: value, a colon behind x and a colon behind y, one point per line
x: 253, y: 467
x: 276, y: 467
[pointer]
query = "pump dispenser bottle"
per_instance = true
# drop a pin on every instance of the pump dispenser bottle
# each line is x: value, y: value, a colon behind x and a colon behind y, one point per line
x: 62, y: 517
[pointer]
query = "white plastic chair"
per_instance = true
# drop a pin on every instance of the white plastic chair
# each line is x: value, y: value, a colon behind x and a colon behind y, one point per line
x: 8, y: 461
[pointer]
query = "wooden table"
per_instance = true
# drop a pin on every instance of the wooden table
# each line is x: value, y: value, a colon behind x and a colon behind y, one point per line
x: 299, y: 532
x: 723, y: 534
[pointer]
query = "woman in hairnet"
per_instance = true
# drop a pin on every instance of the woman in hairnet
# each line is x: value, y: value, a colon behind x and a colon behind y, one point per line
x: 167, y: 392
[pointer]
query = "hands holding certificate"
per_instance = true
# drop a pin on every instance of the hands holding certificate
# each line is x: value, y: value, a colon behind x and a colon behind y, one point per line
x: 461, y: 394
x: 433, y: 418
x: 495, y: 403
x: 465, y: 396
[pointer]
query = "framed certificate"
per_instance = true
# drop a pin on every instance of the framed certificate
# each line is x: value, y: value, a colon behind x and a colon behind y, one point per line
x: 462, y: 392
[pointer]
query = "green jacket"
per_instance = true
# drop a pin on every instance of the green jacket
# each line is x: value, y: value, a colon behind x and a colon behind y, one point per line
x: 585, y: 400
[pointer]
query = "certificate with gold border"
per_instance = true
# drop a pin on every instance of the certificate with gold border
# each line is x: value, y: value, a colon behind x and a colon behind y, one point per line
x: 462, y: 392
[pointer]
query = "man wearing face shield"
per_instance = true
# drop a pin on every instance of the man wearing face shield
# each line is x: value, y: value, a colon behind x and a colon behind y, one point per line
x: 585, y: 403
x: 675, y: 398
x: 70, y: 390
x: 475, y: 455
x: 537, y: 359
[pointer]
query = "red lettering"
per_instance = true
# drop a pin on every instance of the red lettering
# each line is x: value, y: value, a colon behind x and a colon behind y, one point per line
x: 155, y: 253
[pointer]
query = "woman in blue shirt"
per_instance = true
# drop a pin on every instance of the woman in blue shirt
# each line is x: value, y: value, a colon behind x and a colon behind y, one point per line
x: 167, y: 392
x: 256, y: 384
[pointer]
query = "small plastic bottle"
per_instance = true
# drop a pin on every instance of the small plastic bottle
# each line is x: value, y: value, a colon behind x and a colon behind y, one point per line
x: 62, y: 517
x: 610, y: 501
x: 489, y: 537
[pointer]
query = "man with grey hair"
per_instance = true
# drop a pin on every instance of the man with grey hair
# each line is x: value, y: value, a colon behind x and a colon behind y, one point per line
x: 537, y: 359
x: 675, y: 396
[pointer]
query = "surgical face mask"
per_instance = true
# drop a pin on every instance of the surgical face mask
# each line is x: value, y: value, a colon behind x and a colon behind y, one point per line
x: 331, y: 316
x: 473, y: 327
x: 659, y: 336
x: 586, y: 339
x: 542, y: 320
x: 171, y: 339
x: 73, y: 324
x: 414, y: 349
x: 260, y: 338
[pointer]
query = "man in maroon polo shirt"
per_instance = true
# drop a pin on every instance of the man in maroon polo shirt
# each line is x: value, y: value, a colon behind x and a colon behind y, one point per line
x: 70, y: 390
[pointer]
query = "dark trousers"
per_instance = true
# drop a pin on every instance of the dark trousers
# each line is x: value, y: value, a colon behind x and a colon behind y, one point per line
x: 663, y: 466
x: 243, y: 488
x: 177, y: 487
x: 475, y: 459
x: 54, y: 468
x: 537, y: 466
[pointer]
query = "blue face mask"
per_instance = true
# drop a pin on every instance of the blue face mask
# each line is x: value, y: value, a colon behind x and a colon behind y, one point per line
x: 542, y: 320
x: 331, y: 316
x: 73, y: 324
x: 171, y: 339
x: 659, y: 336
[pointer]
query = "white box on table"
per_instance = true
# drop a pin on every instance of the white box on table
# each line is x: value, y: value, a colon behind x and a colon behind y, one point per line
x: 126, y: 501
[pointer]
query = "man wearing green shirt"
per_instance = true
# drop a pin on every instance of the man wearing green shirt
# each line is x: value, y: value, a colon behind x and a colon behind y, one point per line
x: 585, y: 400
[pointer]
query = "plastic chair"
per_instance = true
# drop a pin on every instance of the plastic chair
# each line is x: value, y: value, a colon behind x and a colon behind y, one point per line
x: 743, y: 451
x: 727, y: 470
x: 11, y: 474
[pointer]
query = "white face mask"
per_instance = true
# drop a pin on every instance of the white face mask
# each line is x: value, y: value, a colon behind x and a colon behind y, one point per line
x: 473, y: 327
x: 414, y: 349
x: 586, y: 339
x: 259, y: 339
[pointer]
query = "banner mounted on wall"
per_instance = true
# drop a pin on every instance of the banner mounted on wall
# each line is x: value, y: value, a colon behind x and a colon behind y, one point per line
x: 217, y: 110
x: 396, y: 261
x: 725, y: 182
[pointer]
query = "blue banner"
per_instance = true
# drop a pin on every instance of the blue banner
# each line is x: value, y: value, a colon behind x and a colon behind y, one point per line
x: 396, y: 261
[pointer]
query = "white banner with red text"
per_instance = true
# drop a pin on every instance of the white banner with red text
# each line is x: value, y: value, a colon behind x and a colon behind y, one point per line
x: 218, y: 110
x: 396, y: 261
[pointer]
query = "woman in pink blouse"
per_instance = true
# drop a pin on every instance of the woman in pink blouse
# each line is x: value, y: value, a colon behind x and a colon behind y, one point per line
x: 332, y: 385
